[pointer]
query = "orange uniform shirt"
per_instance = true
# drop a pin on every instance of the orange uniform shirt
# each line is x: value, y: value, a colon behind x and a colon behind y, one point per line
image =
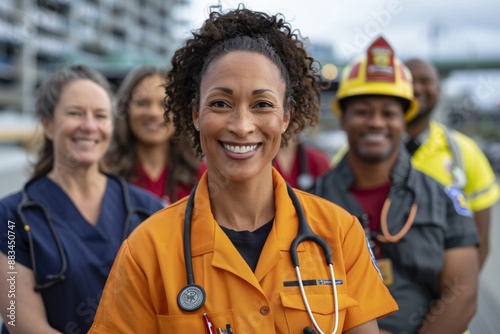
x: 149, y: 271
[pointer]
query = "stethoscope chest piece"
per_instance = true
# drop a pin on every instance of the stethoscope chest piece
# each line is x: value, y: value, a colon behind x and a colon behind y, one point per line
x: 305, y: 181
x: 191, y: 297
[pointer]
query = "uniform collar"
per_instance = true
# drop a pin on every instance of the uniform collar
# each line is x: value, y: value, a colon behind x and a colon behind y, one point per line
x: 399, y: 174
x: 434, y: 141
x: 401, y: 170
x: 345, y: 177
x: 424, y: 135
x: 207, y: 236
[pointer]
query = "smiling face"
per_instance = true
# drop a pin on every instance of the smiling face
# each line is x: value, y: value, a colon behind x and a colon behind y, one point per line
x: 425, y: 85
x: 146, y: 112
x: 375, y: 126
x: 81, y: 126
x: 241, y: 115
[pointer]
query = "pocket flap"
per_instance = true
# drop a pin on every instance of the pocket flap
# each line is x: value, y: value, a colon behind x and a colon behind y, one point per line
x: 193, y: 322
x: 319, y: 303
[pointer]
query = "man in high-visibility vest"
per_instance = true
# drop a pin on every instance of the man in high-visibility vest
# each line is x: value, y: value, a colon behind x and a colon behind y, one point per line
x: 449, y: 156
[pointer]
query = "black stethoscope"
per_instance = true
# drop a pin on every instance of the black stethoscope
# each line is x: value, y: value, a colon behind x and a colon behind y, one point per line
x: 193, y: 296
x: 27, y: 203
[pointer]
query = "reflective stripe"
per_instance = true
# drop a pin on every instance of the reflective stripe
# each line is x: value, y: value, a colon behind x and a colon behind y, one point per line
x: 476, y: 194
x: 457, y: 167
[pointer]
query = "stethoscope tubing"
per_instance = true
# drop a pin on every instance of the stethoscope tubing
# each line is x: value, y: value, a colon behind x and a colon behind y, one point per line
x: 27, y: 203
x: 306, y: 303
x: 305, y: 180
x: 187, y: 236
x: 304, y: 233
x: 52, y: 279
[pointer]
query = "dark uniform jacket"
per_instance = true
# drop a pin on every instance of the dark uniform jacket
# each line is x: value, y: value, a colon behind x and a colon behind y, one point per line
x: 442, y: 222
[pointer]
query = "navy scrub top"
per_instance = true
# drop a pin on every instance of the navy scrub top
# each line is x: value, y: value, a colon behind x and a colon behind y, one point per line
x: 90, y: 250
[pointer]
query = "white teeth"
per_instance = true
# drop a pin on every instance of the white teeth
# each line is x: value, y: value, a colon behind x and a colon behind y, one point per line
x: 239, y: 149
x: 153, y: 126
x: 85, y: 142
x: 373, y: 136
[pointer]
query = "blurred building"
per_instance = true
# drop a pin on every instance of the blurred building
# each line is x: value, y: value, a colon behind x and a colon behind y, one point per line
x: 37, y: 36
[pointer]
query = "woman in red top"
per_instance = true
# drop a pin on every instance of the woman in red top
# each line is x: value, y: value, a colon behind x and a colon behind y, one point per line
x: 300, y: 164
x: 142, y: 150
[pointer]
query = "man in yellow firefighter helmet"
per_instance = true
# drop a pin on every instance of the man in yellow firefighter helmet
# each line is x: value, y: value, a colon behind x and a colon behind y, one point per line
x: 422, y: 234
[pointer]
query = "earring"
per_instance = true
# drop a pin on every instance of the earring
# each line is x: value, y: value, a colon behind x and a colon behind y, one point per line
x: 283, y: 130
x: 197, y: 128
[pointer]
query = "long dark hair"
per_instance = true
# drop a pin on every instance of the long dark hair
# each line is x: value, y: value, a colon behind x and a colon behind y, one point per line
x: 48, y: 96
x: 122, y: 158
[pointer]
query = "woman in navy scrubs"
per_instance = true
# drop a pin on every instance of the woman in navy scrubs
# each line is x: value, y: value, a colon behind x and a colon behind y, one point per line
x: 60, y: 234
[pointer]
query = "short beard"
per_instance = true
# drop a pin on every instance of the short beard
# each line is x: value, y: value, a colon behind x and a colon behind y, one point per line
x: 374, y: 158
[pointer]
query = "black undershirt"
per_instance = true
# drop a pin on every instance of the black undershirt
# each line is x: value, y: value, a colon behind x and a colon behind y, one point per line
x: 250, y: 244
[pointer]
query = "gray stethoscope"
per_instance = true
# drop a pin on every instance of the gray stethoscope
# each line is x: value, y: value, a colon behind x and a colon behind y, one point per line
x: 193, y: 296
x: 27, y: 203
x: 304, y: 180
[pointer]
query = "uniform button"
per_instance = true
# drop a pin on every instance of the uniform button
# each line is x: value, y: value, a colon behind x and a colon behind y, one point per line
x: 264, y: 310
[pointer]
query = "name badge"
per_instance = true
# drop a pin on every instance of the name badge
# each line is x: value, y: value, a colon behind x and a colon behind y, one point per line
x: 385, y: 267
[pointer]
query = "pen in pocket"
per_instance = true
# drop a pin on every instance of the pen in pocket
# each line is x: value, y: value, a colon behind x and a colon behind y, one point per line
x: 209, y: 325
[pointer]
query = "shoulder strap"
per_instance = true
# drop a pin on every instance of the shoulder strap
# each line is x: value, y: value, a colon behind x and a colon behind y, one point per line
x: 459, y: 178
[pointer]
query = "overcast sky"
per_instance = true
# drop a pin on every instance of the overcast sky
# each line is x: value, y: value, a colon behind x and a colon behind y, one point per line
x: 466, y: 29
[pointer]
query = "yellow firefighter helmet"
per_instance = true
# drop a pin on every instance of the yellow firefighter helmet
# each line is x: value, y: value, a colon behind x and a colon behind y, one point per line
x: 379, y: 72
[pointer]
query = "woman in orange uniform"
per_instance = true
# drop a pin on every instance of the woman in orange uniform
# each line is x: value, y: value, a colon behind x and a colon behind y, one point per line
x: 229, y: 258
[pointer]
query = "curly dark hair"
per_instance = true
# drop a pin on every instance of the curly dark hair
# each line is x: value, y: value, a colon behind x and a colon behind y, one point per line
x: 225, y: 32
